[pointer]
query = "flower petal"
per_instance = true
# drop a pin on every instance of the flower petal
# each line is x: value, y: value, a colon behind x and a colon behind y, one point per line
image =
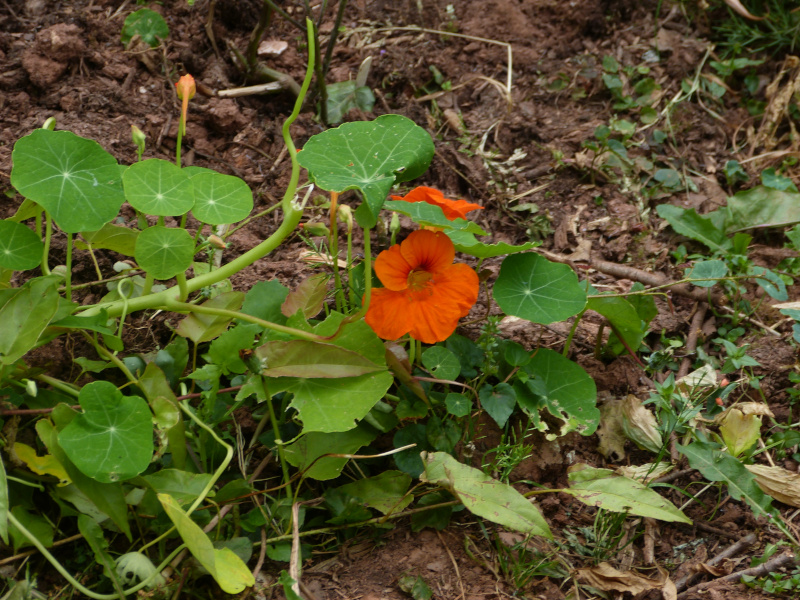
x: 453, y: 209
x: 387, y: 313
x: 457, y: 286
x: 431, y: 251
x: 392, y: 268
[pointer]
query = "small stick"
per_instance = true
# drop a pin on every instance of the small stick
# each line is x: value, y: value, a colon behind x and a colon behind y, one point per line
x: 728, y: 552
x: 691, y: 340
x: 455, y: 564
x: 768, y: 567
x: 670, y: 477
x: 251, y: 90
x: 715, y: 530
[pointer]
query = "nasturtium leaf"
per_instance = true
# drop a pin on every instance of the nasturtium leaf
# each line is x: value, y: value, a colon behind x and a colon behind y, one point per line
x: 567, y: 391
x: 227, y: 569
x: 430, y: 215
x: 441, y: 363
x: 158, y: 187
x: 499, y: 401
x: 25, y: 312
x: 220, y: 199
x: 533, y: 288
x: 385, y: 492
x: 72, y: 178
x: 147, y: 24
x: 713, y: 270
x: 716, y: 465
x: 110, y: 237
x: 305, y: 358
x: 771, y: 283
x: 466, y: 243
x: 370, y: 156
x: 331, y: 405
x: 484, y: 496
x: 604, y: 489
x: 458, y: 405
x: 306, y: 451
x: 163, y: 251
x: 112, y: 439
x: 20, y: 248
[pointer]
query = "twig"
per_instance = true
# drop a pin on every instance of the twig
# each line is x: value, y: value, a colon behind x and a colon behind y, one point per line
x: 16, y: 557
x: 691, y: 340
x: 261, y: 554
x: 715, y: 530
x: 768, y: 567
x: 251, y: 90
x: 294, y: 557
x: 670, y: 477
x: 455, y: 564
x: 731, y: 550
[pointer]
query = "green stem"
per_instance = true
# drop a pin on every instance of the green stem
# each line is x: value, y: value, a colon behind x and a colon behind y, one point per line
x: 182, y: 288
x: 110, y: 356
x: 48, y: 234
x: 68, y: 274
x: 58, y: 384
x: 334, y: 246
x: 278, y: 441
x: 72, y: 581
x: 179, y: 141
x: 572, y: 331
x: 351, y: 291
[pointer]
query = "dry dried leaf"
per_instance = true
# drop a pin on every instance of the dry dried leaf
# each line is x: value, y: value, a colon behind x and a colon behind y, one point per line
x: 640, y: 425
x: 739, y: 431
x: 607, y: 578
x: 646, y: 472
x: 272, y: 47
x: 780, y: 483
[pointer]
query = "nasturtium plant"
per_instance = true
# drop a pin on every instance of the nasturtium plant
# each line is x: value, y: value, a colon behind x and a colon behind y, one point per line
x: 72, y: 178
x: 158, y: 187
x: 20, y: 248
x: 147, y: 24
x: 164, y: 251
x: 220, y: 199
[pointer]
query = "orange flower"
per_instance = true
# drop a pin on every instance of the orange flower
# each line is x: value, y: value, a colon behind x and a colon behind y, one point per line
x: 186, y: 89
x: 424, y: 293
x: 453, y: 209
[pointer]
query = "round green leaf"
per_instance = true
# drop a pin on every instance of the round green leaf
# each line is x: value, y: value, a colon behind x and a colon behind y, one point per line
x: 220, y: 199
x: 164, y: 252
x: 441, y: 363
x: 158, y: 187
x: 72, y: 178
x: 533, y: 288
x: 458, y: 405
x: 707, y: 269
x: 147, y: 24
x: 112, y: 439
x: 370, y: 156
x: 20, y: 248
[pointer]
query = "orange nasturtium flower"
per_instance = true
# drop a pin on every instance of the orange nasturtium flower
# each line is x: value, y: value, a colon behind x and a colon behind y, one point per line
x: 453, y: 209
x: 424, y: 293
x: 186, y: 89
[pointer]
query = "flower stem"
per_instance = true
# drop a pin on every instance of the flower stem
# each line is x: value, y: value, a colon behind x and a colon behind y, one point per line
x: 334, y: 246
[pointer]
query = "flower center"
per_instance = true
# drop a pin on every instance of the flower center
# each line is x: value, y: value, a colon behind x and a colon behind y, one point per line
x: 418, y: 280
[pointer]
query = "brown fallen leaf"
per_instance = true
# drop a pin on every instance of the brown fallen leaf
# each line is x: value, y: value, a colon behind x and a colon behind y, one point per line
x: 607, y: 578
x: 780, y: 483
x: 739, y: 9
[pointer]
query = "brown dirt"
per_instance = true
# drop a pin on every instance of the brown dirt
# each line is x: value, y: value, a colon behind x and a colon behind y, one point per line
x: 65, y: 60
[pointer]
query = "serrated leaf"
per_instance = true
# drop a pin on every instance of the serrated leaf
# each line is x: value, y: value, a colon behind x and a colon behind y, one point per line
x: 72, y: 178
x: 112, y: 439
x: 484, y: 496
x: 604, y: 489
x: 689, y: 223
x: 368, y: 156
x: 531, y: 287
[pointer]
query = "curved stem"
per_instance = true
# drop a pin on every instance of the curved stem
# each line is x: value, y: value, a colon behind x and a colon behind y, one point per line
x: 68, y: 274
x: 48, y: 234
x: 334, y: 245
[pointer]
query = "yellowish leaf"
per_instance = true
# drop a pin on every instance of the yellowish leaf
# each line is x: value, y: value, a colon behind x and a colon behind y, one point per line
x: 42, y: 465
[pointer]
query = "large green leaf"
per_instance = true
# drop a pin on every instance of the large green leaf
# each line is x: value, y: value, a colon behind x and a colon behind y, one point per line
x: 158, y: 187
x: 370, y: 156
x: 25, y: 312
x: 220, y: 199
x: 333, y: 404
x: 567, y: 391
x: 110, y: 237
x: 20, y: 248
x: 386, y: 492
x: 484, y: 496
x: 305, y: 358
x: 430, y: 215
x: 712, y: 270
x: 716, y: 465
x: 109, y: 498
x: 72, y: 178
x: 623, y: 318
x: 687, y: 222
x: 112, y: 439
x: 164, y: 251
x: 762, y: 207
x: 533, y: 288
x: 307, y: 450
x: 229, y: 571
x: 605, y: 489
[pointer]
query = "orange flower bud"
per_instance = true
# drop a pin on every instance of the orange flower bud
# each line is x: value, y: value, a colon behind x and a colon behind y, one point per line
x: 186, y: 87
x: 719, y: 402
x: 724, y: 382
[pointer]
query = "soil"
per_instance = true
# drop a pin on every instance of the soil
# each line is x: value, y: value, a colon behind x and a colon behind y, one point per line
x: 65, y: 60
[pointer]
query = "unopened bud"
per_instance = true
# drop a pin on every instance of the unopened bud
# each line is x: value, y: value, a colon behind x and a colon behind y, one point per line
x: 314, y: 228
x: 186, y: 87
x: 217, y: 242
x: 50, y: 123
x: 346, y: 216
x: 394, y: 224
x: 139, y: 139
